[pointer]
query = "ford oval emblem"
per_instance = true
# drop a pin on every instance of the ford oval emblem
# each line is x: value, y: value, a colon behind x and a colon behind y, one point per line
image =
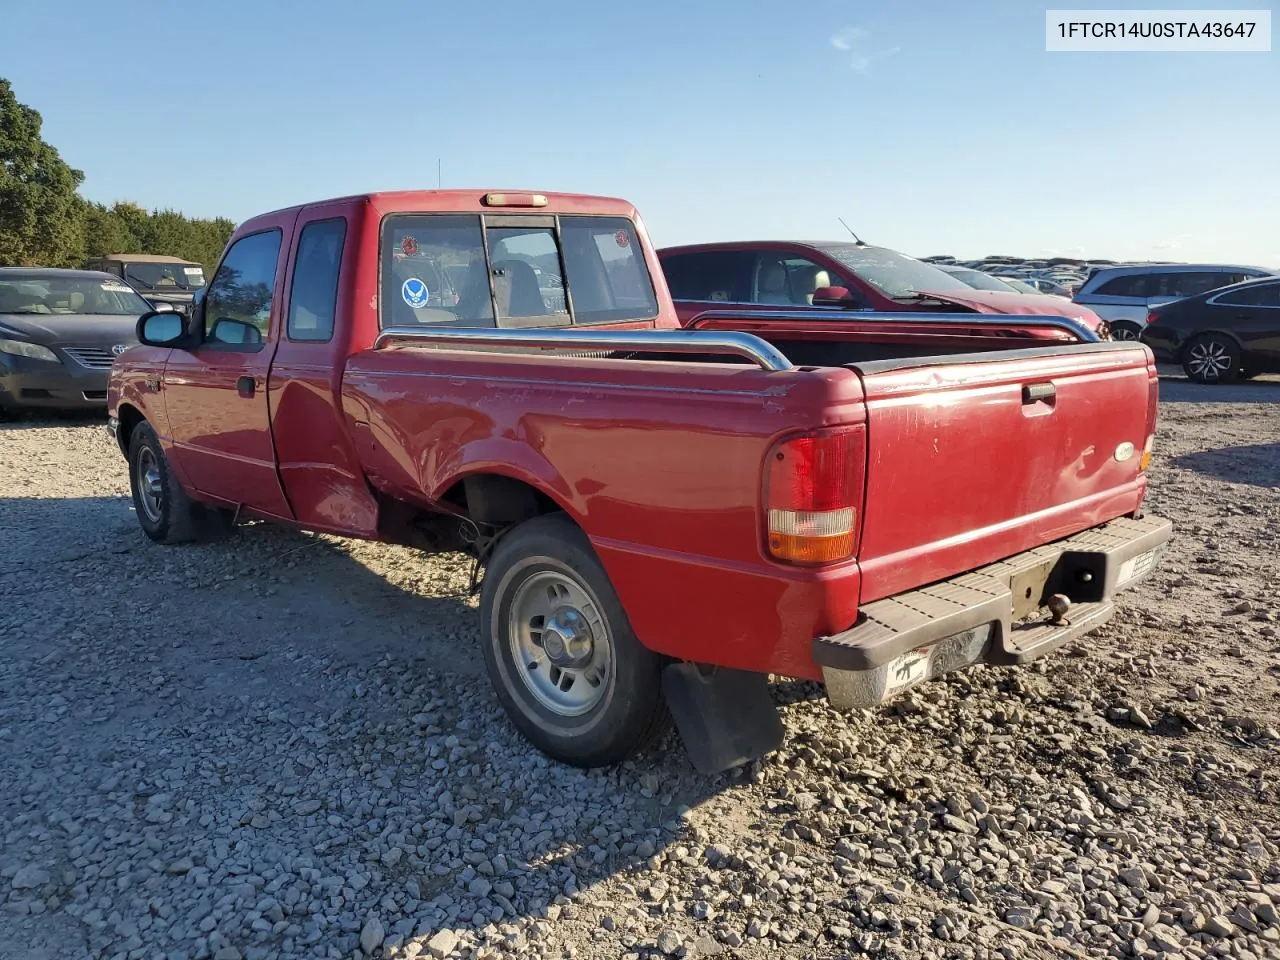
x: 118, y: 349
x: 1124, y: 452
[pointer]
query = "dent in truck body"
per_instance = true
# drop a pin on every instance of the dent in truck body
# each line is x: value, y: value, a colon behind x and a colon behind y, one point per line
x: 422, y: 430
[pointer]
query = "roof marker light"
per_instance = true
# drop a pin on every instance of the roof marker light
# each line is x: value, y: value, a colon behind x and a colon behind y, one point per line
x: 514, y: 200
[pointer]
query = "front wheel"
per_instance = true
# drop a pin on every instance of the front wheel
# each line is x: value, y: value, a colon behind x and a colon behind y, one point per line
x: 1212, y: 358
x: 560, y: 652
x: 165, y: 512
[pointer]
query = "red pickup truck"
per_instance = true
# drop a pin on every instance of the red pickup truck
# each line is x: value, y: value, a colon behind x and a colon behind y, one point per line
x: 664, y: 516
x: 751, y: 275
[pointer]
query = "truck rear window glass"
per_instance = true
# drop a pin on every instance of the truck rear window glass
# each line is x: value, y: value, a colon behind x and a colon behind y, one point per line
x: 551, y: 271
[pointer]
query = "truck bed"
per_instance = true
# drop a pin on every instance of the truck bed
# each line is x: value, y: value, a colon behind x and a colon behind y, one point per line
x: 962, y: 458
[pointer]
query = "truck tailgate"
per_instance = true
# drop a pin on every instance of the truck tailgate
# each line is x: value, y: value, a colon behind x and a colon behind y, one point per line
x: 975, y: 458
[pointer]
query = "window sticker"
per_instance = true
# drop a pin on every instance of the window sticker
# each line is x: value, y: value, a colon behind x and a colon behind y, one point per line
x: 414, y: 292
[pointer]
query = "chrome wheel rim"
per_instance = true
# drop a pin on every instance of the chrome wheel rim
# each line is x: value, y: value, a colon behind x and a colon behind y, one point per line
x: 560, y: 644
x: 150, y: 489
x: 1124, y: 332
x: 1209, y: 359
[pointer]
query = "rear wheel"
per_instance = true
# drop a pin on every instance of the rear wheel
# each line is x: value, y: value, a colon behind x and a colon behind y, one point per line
x: 562, y: 657
x: 165, y: 512
x: 1211, y: 358
x: 1125, y: 330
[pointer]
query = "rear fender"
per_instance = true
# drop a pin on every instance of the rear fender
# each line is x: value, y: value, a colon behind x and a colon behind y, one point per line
x: 503, y: 457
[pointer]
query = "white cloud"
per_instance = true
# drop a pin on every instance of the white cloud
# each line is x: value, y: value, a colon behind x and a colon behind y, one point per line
x: 853, y: 41
x: 1174, y: 243
x: 846, y: 38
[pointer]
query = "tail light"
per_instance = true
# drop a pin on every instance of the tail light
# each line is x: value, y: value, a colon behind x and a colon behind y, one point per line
x: 1152, y: 317
x: 810, y: 497
x: 1153, y: 401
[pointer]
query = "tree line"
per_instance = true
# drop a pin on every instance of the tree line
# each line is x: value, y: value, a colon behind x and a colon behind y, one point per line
x: 45, y: 222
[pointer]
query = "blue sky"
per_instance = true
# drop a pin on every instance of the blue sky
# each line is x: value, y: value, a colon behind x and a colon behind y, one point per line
x: 932, y: 127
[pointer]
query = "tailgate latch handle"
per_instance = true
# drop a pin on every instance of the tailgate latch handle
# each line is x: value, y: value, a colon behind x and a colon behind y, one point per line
x: 1034, y: 392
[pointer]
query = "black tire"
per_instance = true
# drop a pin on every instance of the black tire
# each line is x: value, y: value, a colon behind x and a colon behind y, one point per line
x: 530, y: 563
x: 1211, y: 358
x: 1125, y: 330
x: 165, y: 512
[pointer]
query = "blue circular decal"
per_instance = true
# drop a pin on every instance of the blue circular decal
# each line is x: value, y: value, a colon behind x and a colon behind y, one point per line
x: 414, y: 292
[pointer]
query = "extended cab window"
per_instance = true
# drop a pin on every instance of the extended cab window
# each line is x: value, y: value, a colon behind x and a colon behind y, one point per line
x: 512, y: 270
x: 313, y: 297
x: 240, y: 295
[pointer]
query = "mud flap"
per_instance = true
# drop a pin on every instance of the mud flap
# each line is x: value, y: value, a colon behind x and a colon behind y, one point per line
x: 725, y: 717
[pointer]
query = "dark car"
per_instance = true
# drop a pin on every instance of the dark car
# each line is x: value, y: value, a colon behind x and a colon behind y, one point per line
x: 60, y: 330
x: 1222, y: 335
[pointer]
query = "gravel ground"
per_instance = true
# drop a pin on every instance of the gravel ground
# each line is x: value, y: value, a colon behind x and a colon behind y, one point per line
x: 283, y: 745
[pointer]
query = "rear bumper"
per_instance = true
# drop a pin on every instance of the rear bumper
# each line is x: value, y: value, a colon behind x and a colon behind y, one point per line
x: 995, y: 614
x: 41, y: 384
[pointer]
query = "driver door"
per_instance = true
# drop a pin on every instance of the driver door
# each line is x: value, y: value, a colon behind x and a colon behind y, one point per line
x: 216, y: 393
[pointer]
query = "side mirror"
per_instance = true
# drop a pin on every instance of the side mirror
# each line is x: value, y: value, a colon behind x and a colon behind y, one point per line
x: 226, y: 330
x: 161, y: 306
x: 833, y: 297
x: 160, y: 328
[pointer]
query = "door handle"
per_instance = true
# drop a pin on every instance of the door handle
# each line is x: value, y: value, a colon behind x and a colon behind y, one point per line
x: 245, y: 386
x: 1034, y: 392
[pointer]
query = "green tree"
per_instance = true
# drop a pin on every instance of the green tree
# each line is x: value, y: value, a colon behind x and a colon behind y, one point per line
x: 41, y: 215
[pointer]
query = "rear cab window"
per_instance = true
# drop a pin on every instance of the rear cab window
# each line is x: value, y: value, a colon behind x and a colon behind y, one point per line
x: 511, y: 270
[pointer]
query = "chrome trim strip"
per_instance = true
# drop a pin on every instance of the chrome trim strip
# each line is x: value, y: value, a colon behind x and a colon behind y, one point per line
x: 728, y: 342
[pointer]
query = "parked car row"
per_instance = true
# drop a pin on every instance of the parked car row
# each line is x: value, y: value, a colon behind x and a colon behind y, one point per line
x: 59, y: 328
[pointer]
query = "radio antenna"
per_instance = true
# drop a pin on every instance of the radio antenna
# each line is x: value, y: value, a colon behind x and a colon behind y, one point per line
x: 851, y: 233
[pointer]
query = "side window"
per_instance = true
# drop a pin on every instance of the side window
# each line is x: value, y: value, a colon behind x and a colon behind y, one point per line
x: 313, y: 298
x: 716, y: 275
x: 1267, y: 295
x: 1133, y: 285
x: 237, y: 307
x: 784, y: 279
x: 1194, y: 284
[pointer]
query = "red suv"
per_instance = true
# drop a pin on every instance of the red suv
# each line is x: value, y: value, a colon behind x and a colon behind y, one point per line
x: 774, y: 275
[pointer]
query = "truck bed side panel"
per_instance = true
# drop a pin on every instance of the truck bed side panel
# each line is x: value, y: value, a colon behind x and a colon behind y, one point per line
x: 659, y: 463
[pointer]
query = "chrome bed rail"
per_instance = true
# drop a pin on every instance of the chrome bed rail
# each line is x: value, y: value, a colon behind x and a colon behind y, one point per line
x: 727, y: 343
x: 1074, y: 327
